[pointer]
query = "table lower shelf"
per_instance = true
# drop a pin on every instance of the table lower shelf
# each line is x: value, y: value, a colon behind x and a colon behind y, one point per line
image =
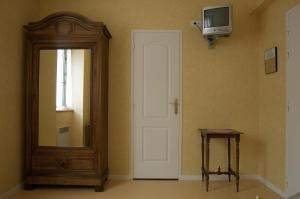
x: 205, y: 174
x: 230, y: 172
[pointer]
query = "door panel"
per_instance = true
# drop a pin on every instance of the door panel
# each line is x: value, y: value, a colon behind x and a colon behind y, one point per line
x: 159, y: 136
x: 156, y: 76
x: 156, y: 85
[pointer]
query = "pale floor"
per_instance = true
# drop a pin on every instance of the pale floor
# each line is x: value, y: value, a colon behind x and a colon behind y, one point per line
x: 154, y: 190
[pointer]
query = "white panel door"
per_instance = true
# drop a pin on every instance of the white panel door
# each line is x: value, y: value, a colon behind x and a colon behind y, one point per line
x: 293, y: 99
x: 156, y: 113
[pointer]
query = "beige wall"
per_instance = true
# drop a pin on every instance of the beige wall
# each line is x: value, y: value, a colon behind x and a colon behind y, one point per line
x: 64, y: 119
x: 273, y: 93
x: 220, y: 86
x: 47, y: 98
x: 86, y: 88
x: 13, y: 15
x: 80, y: 94
x: 77, y: 97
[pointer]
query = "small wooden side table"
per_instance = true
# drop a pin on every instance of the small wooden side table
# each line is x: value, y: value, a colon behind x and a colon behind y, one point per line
x: 206, y: 136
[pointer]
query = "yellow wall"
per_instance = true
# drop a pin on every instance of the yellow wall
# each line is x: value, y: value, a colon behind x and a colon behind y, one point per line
x: 86, y: 89
x: 220, y: 86
x: 47, y: 98
x: 81, y: 73
x: 272, y: 93
x: 64, y: 118
x: 13, y: 15
x: 77, y: 96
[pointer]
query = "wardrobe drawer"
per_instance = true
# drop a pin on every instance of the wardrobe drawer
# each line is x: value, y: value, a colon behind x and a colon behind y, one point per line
x: 82, y: 164
x: 45, y: 163
x: 70, y: 164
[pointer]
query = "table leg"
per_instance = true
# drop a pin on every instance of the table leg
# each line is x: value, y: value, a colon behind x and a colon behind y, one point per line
x: 237, y: 162
x: 202, y: 153
x: 229, y: 159
x: 207, y: 163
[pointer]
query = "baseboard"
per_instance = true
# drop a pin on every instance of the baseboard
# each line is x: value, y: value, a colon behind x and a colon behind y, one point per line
x: 119, y: 177
x: 245, y: 177
x: 199, y: 177
x: 271, y: 186
x: 216, y: 177
x: 190, y: 177
x: 295, y: 196
x: 12, y: 191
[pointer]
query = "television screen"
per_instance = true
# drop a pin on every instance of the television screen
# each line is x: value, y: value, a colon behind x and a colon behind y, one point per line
x: 216, y: 17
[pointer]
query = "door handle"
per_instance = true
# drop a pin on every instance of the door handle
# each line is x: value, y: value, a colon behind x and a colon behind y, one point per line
x: 176, y: 105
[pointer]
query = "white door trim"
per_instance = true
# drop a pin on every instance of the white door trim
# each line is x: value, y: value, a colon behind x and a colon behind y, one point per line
x: 287, y: 191
x: 286, y: 101
x: 286, y: 97
x: 132, y: 94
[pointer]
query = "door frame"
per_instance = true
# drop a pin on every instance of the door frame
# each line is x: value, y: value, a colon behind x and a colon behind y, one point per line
x: 288, y: 195
x: 180, y: 94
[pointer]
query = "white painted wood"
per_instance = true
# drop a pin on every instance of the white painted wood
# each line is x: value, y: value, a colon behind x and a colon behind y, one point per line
x: 156, y: 74
x: 293, y: 103
x: 271, y: 186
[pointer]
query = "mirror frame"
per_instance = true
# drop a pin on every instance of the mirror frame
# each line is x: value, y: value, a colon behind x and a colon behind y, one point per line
x: 62, y: 31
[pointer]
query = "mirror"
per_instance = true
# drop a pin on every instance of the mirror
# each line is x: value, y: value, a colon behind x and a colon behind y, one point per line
x: 64, y: 97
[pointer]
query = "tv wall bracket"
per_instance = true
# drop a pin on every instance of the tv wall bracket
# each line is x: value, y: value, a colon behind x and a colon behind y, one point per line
x: 211, y: 39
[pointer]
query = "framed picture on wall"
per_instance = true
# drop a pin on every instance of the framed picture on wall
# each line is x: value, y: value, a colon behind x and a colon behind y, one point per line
x: 271, y: 60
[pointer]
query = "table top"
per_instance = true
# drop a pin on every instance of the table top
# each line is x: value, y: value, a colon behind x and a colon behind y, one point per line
x: 220, y: 132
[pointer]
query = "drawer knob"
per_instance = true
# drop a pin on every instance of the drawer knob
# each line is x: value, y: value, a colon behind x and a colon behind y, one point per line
x: 64, y: 164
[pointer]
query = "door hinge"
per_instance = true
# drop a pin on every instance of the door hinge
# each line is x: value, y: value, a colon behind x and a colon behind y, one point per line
x: 288, y: 108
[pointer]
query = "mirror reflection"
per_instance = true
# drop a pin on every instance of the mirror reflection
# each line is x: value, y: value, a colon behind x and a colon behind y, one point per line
x: 64, y: 97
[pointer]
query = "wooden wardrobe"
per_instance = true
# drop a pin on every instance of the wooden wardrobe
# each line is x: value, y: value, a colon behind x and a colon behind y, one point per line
x: 66, y: 145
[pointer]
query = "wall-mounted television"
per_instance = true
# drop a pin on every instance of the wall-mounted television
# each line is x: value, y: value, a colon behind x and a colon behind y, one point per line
x: 217, y: 20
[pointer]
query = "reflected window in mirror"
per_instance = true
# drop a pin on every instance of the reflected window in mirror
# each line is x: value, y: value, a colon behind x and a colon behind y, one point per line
x: 64, y: 97
x: 64, y: 80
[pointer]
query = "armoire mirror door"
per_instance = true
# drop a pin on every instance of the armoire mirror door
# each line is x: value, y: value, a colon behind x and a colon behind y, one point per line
x: 66, y: 101
x: 64, y: 97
